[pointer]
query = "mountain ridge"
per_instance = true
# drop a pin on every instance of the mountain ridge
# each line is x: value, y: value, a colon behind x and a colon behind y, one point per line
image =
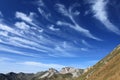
x: 105, y: 69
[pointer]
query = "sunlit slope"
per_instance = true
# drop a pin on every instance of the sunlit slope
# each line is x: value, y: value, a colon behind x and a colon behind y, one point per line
x: 106, y: 69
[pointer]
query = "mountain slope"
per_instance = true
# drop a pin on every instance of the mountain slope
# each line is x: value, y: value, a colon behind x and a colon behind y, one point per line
x: 106, y: 69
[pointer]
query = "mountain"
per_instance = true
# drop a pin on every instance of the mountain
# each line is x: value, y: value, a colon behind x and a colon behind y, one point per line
x: 14, y: 76
x: 73, y: 71
x: 66, y: 73
x: 106, y: 69
x: 45, y: 74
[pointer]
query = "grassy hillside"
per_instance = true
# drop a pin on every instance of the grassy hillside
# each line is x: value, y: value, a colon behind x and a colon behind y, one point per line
x: 106, y: 69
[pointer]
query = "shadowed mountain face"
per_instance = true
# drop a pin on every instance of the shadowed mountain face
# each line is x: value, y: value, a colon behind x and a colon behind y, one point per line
x: 67, y: 73
x: 106, y: 69
x: 14, y: 76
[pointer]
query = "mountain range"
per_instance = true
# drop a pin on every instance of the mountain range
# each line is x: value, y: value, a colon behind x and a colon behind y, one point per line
x: 66, y: 73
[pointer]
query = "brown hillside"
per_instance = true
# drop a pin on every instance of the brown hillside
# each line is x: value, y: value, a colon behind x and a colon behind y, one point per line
x: 106, y: 69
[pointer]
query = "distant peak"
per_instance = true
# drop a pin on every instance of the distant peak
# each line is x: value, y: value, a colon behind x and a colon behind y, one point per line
x: 52, y: 70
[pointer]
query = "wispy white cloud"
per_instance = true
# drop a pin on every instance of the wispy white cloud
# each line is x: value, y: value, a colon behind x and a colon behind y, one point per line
x: 23, y: 16
x: 29, y: 35
x: 40, y: 3
x: 22, y: 25
x: 23, y: 41
x: 44, y: 14
x: 51, y: 27
x: 27, y: 18
x: 39, y: 64
x: 99, y: 8
x: 1, y: 15
x: 28, y: 42
x: 8, y: 29
x: 72, y: 9
x: 65, y: 49
x: 5, y: 59
x: 86, y: 43
x: 76, y: 13
x: 7, y: 49
x: 62, y: 52
x: 87, y: 12
x: 65, y: 45
x: 84, y: 49
x: 76, y: 27
x: 3, y: 33
x: 19, y: 40
x: 68, y: 13
x: 62, y: 9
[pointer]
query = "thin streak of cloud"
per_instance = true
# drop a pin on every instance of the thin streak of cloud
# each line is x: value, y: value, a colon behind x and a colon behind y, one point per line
x: 84, y: 49
x: 34, y: 45
x: 44, y: 14
x: 4, y: 33
x: 40, y: 3
x: 20, y: 42
x: 100, y: 12
x: 9, y: 29
x: 62, y: 9
x: 78, y: 28
x: 71, y: 8
x: 51, y: 27
x: 86, y: 43
x: 2, y: 59
x: 68, y: 13
x: 22, y: 25
x: 39, y: 64
x: 26, y: 18
x: 63, y: 52
x: 23, y: 16
x: 15, y: 51
x: 1, y: 15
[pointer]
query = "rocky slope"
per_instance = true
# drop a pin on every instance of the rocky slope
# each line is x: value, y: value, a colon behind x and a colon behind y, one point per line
x: 73, y: 71
x: 106, y: 69
x: 45, y: 74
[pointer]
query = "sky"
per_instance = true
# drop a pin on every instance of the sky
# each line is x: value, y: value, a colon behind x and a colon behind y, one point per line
x: 39, y: 34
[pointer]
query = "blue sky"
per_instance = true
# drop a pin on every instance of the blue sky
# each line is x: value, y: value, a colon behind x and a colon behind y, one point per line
x: 39, y: 34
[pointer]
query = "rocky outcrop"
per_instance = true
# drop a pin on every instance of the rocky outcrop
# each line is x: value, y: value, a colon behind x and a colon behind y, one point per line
x: 49, y: 73
x: 75, y: 72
